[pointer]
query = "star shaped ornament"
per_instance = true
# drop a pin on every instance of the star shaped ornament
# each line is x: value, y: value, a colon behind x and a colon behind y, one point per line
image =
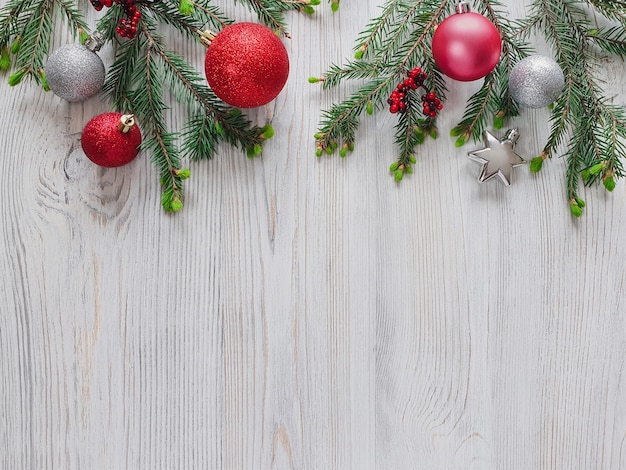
x: 498, y: 157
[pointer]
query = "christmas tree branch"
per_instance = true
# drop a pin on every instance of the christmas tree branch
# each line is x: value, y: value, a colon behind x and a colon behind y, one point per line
x: 142, y: 65
x: 392, y: 44
x: 271, y: 12
x: 208, y: 15
x: 28, y: 24
x: 149, y: 107
x: 596, y: 150
x: 401, y: 35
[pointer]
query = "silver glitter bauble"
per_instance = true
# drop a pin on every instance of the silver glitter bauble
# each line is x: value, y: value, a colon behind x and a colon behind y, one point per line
x: 75, y: 72
x: 536, y: 81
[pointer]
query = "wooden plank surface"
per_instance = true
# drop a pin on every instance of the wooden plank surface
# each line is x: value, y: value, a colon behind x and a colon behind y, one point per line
x: 305, y: 313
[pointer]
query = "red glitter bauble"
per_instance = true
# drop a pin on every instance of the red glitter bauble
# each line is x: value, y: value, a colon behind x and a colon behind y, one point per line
x: 106, y: 144
x: 246, y: 65
x: 466, y: 46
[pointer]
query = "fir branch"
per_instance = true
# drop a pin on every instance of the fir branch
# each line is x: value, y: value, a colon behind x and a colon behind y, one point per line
x: 271, y: 12
x: 612, y: 9
x: 395, y: 50
x: 581, y: 111
x: 480, y: 106
x: 121, y: 77
x: 149, y: 107
x: 352, y: 70
x: 612, y: 39
x: 28, y: 26
x: 208, y: 15
x: 201, y: 137
x: 340, y: 122
x: 167, y: 12
x: 409, y: 134
x: 35, y: 43
x: 14, y: 16
x: 371, y: 39
x: 73, y: 16
x: 142, y: 66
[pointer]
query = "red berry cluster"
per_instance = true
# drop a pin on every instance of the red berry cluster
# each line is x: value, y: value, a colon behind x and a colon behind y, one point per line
x: 127, y: 27
x: 400, y: 96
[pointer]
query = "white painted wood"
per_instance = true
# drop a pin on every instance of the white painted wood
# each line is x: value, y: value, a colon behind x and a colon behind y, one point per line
x: 305, y: 313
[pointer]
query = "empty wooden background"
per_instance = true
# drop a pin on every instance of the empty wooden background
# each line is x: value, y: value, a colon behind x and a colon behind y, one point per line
x: 305, y: 313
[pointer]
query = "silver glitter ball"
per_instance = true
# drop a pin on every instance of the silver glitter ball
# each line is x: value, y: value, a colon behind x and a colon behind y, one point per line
x: 75, y: 73
x: 536, y: 81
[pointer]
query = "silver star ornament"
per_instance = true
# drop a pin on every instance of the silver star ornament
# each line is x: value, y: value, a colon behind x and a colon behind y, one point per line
x: 498, y: 157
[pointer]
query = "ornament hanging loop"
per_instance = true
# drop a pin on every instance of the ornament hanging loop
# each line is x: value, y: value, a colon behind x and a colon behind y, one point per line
x: 462, y: 7
x: 95, y: 42
x: 512, y: 135
x: 127, y: 122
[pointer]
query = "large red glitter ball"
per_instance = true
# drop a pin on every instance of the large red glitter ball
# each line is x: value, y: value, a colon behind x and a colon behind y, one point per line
x: 466, y: 46
x: 106, y: 145
x: 246, y: 65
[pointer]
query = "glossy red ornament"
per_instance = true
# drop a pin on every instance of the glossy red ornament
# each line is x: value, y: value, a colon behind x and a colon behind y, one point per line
x: 466, y: 46
x: 246, y: 65
x: 111, y: 139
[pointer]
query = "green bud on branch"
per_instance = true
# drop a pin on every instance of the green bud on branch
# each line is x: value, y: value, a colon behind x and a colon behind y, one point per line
x: 609, y: 183
x: 17, y: 77
x: 5, y: 59
x: 536, y: 164
x: 15, y: 45
x: 267, y: 132
x: 576, y: 210
x: 186, y: 7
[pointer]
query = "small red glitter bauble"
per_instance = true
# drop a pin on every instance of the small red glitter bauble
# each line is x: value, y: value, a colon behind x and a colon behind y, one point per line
x: 466, y: 46
x: 106, y: 144
x: 246, y: 65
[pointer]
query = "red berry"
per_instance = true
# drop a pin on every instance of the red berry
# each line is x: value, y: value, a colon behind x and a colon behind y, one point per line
x: 433, y: 114
x: 439, y: 106
x: 394, y: 108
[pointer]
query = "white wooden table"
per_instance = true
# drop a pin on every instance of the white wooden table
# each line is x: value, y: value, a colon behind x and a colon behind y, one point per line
x: 305, y: 313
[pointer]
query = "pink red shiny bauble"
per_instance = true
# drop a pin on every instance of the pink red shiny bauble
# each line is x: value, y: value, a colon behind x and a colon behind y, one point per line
x: 466, y: 46
x: 246, y: 65
x: 106, y: 144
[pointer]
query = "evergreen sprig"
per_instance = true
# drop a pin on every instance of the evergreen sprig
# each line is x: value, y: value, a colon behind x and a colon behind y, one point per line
x: 583, y: 113
x: 585, y: 126
x: 145, y: 73
x: 395, y: 42
x: 26, y: 30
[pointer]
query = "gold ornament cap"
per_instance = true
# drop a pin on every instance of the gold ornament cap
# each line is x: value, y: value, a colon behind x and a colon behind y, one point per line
x: 127, y: 122
x: 206, y: 38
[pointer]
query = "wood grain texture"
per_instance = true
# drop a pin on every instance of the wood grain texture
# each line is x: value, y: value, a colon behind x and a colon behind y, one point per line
x: 305, y: 313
